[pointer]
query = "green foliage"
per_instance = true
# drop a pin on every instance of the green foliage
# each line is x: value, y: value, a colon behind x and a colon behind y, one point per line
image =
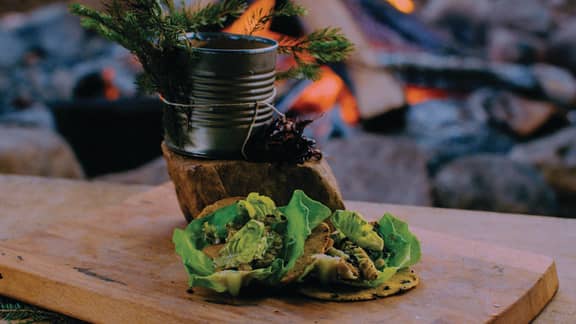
x: 260, y: 18
x: 301, y: 71
x: 155, y: 31
x: 14, y: 312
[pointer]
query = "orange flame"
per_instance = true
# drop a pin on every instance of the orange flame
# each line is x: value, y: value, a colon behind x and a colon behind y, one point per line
x: 416, y: 94
x: 405, y: 6
x: 111, y: 92
x: 246, y: 23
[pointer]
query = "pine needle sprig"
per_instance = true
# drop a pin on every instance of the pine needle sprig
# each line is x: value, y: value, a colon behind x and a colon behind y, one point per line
x: 327, y: 45
x: 309, y: 71
x: 14, y: 312
x: 155, y: 31
x: 215, y: 14
x: 260, y: 19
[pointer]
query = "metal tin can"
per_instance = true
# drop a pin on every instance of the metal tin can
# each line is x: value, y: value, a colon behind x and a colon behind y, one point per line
x: 232, y: 79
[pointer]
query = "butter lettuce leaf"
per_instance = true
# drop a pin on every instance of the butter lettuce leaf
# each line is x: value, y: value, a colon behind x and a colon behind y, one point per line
x: 195, y: 261
x: 400, y: 245
x: 358, y: 230
x: 298, y: 218
x: 259, y: 207
x: 403, y: 246
x: 244, y: 246
x: 302, y: 214
x: 232, y: 280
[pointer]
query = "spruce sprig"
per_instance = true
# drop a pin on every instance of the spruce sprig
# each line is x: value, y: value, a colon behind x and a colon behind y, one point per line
x: 155, y: 31
x: 259, y: 19
x: 15, y: 312
x: 326, y: 45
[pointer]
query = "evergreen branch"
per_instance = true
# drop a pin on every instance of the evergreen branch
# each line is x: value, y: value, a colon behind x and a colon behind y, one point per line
x: 325, y: 45
x: 145, y: 84
x: 215, y: 14
x: 259, y: 20
x: 154, y: 30
x: 169, y: 4
x: 309, y: 71
x: 99, y: 17
x: 103, y: 30
x: 12, y: 311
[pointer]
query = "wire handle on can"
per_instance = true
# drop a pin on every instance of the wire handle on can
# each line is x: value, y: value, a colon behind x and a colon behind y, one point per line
x: 207, y: 105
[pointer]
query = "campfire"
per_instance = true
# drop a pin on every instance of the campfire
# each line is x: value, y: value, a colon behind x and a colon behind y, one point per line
x: 449, y: 78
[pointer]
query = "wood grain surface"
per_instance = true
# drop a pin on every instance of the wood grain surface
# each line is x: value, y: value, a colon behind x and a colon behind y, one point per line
x: 117, y: 265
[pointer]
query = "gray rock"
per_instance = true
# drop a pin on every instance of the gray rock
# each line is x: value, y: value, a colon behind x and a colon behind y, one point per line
x: 562, y: 46
x: 555, y: 156
x: 11, y: 49
x: 512, y: 113
x: 507, y: 45
x: 525, y: 15
x: 557, y: 83
x: 493, y: 183
x: 40, y: 152
x: 380, y: 169
x: 448, y: 130
x: 68, y: 28
x: 464, y: 20
x: 36, y: 116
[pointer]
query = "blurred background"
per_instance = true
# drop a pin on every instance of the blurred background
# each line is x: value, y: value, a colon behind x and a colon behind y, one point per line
x: 450, y: 103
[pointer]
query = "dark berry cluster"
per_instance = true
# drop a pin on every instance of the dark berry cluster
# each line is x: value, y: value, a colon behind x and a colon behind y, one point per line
x: 284, y: 141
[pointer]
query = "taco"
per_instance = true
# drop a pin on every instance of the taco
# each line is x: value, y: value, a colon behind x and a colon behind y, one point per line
x: 240, y: 241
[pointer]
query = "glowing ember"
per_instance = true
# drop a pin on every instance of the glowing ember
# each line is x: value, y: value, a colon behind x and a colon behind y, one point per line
x: 416, y: 95
x: 111, y: 92
x: 406, y: 6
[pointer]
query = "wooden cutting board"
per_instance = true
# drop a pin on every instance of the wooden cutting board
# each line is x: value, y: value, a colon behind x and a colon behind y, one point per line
x: 117, y: 265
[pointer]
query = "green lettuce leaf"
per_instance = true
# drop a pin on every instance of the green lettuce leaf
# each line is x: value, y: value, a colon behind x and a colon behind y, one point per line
x: 402, y: 247
x: 215, y: 225
x: 359, y: 231
x: 232, y: 280
x: 195, y: 261
x: 302, y: 214
x: 244, y: 246
x: 399, y: 242
x: 258, y: 207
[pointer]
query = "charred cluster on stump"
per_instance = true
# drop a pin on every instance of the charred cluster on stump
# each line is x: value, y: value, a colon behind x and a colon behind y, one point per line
x: 284, y: 141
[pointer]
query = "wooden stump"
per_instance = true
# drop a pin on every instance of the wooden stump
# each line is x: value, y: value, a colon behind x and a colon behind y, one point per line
x: 201, y: 182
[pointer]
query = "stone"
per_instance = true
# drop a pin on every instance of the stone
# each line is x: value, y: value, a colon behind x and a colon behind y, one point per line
x: 154, y: 173
x: 557, y: 84
x: 37, y: 116
x: 11, y: 49
x: 523, y: 15
x: 35, y: 151
x: 494, y: 183
x: 520, y: 116
x: 380, y: 168
x: 464, y: 20
x: 555, y: 156
x: 507, y: 45
x: 446, y: 130
x: 202, y: 182
x: 562, y: 46
x: 438, y: 10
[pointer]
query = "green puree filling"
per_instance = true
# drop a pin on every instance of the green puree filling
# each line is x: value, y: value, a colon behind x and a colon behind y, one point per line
x: 254, y: 240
